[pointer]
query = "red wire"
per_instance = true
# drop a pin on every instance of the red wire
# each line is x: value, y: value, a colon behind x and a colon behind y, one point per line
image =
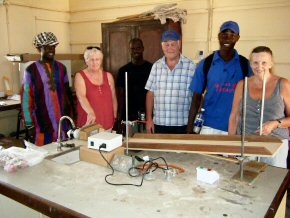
x: 180, y: 170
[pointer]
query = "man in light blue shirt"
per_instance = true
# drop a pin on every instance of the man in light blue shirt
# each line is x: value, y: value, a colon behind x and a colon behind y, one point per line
x: 168, y: 98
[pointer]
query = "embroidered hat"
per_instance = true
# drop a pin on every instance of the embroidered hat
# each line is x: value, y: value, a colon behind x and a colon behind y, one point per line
x: 170, y: 35
x: 230, y: 25
x: 45, y: 38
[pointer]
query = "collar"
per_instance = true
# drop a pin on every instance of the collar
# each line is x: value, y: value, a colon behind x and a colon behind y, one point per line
x: 217, y: 56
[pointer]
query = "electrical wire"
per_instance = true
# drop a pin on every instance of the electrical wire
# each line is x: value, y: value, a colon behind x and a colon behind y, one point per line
x: 144, y: 169
x: 113, y: 171
x: 180, y: 170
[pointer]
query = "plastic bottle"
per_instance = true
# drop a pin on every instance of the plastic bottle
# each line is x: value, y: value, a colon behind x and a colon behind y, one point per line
x: 198, y: 122
x: 141, y: 123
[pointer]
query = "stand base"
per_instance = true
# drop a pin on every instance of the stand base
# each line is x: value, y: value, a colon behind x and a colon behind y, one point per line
x: 252, y: 170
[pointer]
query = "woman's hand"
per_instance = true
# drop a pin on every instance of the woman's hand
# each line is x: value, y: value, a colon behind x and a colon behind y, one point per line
x: 268, y: 127
x: 91, y: 118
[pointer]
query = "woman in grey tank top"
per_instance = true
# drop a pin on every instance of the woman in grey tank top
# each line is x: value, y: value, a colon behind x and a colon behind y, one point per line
x: 276, y: 119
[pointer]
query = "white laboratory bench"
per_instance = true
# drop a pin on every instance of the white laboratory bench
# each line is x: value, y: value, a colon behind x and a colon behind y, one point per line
x: 79, y: 190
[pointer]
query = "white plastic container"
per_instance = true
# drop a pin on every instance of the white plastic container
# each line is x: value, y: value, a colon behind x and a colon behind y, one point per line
x: 206, y: 175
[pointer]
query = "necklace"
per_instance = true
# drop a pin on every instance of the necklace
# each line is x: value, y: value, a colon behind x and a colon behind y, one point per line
x: 100, y: 88
x: 97, y: 79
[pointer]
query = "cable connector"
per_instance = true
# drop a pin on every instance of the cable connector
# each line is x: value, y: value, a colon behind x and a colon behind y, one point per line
x: 103, y: 146
x: 139, y: 159
x: 146, y: 158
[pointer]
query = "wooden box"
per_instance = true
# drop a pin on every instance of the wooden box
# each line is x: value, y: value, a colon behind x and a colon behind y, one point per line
x: 86, y: 131
x: 94, y: 156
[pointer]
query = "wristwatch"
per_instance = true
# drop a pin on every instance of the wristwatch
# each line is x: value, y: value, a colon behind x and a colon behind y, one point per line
x: 279, y: 124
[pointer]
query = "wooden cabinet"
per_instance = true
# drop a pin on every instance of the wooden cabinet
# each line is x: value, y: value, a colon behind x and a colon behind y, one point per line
x: 116, y: 37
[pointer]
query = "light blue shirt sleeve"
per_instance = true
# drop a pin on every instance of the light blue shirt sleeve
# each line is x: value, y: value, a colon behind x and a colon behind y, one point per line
x: 151, y: 82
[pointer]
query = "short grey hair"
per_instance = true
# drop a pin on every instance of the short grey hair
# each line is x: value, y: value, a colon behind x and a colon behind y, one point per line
x: 89, y: 52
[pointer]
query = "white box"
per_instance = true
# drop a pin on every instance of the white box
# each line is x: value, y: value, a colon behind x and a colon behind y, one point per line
x: 112, y: 141
x: 206, y: 175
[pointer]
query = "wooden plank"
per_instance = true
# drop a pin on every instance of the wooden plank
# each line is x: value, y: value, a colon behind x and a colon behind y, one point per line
x: 209, y: 149
x: 256, y: 141
x: 211, y: 144
x: 136, y: 17
x: 34, y: 57
x: 251, y: 138
x: 188, y: 142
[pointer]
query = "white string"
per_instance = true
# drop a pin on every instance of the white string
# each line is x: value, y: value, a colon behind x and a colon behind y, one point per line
x: 127, y: 123
x: 243, y: 127
x: 262, y: 103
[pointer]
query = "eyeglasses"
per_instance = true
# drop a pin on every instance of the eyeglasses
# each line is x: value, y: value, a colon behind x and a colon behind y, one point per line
x: 96, y: 47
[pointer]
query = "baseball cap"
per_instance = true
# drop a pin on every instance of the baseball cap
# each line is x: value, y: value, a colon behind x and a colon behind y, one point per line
x: 230, y: 25
x: 170, y: 35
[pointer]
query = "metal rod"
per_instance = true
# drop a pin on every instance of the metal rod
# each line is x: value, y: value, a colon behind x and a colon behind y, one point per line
x: 262, y: 104
x: 243, y: 127
x: 127, y: 123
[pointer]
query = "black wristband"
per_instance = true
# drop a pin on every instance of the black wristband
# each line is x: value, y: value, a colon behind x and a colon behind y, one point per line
x: 279, y: 123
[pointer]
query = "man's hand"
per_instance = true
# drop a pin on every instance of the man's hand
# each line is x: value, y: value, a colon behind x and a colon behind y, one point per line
x: 189, y: 130
x: 150, y: 126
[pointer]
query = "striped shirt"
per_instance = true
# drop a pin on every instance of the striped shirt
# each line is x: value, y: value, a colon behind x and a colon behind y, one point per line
x: 45, y: 97
x: 172, y: 97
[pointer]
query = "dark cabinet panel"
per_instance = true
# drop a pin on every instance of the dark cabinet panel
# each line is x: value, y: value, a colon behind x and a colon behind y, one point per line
x: 118, y: 50
x: 151, y: 38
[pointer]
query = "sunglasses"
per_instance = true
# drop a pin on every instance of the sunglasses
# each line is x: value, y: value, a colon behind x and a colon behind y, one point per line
x: 96, y: 47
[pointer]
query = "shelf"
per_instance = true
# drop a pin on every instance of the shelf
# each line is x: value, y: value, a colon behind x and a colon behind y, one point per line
x: 22, y: 58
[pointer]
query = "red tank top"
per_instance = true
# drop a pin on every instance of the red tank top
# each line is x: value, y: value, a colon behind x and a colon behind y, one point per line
x: 100, y: 98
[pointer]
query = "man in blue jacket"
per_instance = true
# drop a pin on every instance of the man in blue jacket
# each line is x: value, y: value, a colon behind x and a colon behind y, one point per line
x: 218, y: 82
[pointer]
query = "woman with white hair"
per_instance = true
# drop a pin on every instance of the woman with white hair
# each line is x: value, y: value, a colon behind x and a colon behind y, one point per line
x: 95, y: 90
x: 276, y: 114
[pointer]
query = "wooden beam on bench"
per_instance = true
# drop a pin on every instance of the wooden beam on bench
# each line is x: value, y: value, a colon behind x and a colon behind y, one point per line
x: 210, y: 144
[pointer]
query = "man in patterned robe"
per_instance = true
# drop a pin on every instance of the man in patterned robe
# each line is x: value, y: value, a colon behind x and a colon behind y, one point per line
x: 45, y: 93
